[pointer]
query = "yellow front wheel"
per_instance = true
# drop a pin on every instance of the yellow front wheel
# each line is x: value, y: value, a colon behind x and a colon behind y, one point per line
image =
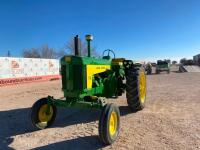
x: 42, y: 114
x: 109, y: 124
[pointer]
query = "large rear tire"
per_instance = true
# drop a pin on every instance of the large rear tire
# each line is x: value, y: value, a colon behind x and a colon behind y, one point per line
x: 136, y: 88
x: 109, y: 124
x: 41, y: 117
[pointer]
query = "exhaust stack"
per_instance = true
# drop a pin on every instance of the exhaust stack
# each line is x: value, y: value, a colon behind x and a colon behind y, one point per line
x: 77, y: 45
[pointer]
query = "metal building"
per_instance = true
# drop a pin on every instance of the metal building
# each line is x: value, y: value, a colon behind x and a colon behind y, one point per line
x: 196, y: 59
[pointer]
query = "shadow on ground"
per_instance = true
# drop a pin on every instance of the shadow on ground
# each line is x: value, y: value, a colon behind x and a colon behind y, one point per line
x: 85, y: 143
x: 17, y: 122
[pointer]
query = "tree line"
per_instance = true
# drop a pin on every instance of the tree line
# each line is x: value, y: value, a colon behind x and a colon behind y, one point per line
x: 51, y: 53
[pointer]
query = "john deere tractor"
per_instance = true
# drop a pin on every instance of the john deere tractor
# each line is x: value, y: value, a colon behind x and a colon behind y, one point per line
x: 162, y: 65
x: 87, y: 81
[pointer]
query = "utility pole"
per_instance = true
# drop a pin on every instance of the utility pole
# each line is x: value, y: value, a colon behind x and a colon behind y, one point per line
x: 8, y: 54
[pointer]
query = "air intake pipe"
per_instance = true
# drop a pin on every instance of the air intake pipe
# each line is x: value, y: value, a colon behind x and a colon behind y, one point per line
x: 88, y: 39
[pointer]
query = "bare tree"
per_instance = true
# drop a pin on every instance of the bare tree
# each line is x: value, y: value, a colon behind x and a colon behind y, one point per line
x: 43, y: 52
x: 60, y: 53
x: 31, y: 53
x: 69, y: 46
x: 174, y: 62
x: 47, y: 52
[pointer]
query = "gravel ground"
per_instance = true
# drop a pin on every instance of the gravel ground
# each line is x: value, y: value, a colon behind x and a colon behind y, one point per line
x: 170, y: 120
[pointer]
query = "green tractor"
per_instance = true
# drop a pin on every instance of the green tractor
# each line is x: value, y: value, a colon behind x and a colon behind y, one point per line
x: 162, y: 65
x: 86, y: 81
x: 148, y: 68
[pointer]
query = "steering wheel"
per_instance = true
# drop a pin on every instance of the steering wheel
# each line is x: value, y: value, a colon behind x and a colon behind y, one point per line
x: 108, y: 55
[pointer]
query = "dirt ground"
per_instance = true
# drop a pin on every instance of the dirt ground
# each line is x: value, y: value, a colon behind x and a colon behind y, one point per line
x: 170, y: 120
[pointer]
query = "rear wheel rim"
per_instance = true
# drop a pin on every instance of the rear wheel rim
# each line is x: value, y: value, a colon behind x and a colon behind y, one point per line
x: 142, y: 86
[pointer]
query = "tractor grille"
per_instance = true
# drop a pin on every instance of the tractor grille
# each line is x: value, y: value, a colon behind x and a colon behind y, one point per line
x: 64, y: 75
x: 77, y: 77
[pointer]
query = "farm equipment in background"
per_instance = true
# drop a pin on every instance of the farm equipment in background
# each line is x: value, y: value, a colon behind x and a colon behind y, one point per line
x: 86, y: 81
x: 138, y: 64
x: 162, y: 65
x: 148, y: 68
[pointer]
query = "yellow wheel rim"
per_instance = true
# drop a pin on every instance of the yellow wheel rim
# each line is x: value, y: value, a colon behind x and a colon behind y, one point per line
x: 142, y: 87
x: 43, y: 115
x: 113, y: 123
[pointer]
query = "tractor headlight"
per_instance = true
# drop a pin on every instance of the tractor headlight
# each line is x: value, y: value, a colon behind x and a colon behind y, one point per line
x: 67, y: 58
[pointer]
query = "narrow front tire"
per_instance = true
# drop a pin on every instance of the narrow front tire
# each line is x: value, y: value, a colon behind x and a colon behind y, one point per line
x: 42, y: 114
x: 109, y: 124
